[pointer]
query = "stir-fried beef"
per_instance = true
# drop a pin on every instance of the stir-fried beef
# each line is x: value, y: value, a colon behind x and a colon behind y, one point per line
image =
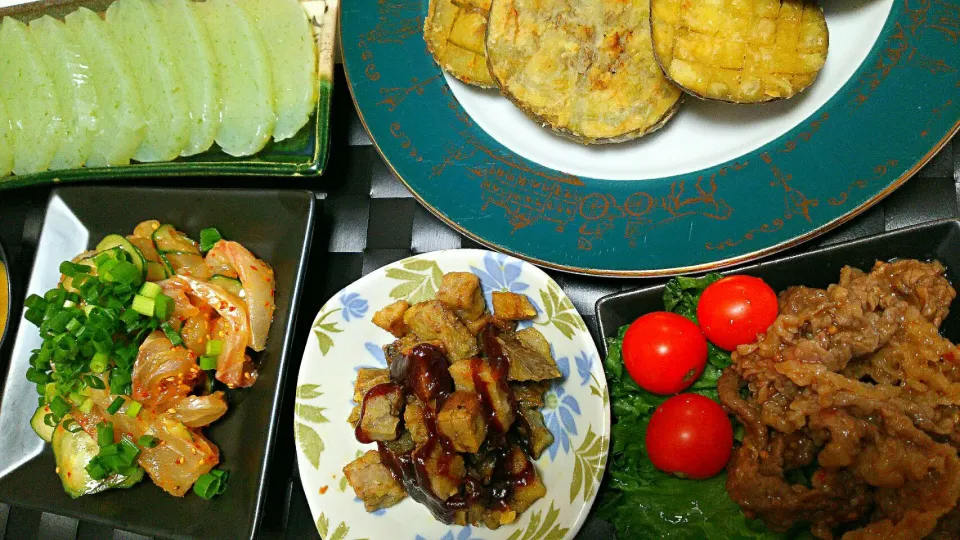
x: 856, y: 381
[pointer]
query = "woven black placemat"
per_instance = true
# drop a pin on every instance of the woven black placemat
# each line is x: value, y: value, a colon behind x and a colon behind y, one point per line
x: 367, y: 220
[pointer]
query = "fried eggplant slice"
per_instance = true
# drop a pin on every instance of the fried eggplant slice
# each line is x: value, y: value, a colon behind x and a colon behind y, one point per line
x: 380, y: 413
x: 586, y: 70
x: 367, y: 378
x: 527, y: 363
x: 454, y: 31
x: 534, y: 431
x: 373, y: 482
x: 494, y: 390
x: 414, y: 421
x: 741, y: 52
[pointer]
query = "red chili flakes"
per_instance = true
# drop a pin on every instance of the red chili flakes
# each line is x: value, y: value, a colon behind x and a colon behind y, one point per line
x: 254, y: 268
x: 266, y: 304
x: 323, y: 489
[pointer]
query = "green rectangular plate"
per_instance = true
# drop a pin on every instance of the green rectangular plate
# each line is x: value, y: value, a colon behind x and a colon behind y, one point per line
x: 304, y: 155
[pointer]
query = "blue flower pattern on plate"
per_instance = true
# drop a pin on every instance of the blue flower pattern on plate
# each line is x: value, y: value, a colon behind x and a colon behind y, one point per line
x: 354, y: 306
x: 584, y: 362
x: 466, y: 533
x: 559, y: 412
x: 502, y: 273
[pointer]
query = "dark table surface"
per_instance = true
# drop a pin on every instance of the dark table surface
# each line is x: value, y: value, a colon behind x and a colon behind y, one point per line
x: 368, y: 219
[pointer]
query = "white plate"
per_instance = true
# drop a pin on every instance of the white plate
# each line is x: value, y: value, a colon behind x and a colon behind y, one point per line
x: 344, y: 340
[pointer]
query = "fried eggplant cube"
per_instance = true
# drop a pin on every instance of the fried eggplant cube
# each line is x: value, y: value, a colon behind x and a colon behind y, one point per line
x: 390, y: 318
x: 461, y: 293
x: 413, y: 420
x: 532, y: 490
x: 529, y: 394
x: 463, y: 420
x: 534, y: 431
x: 367, y: 378
x: 510, y: 306
x: 526, y: 362
x: 497, y: 388
x: 373, y: 482
x: 445, y: 471
x: 431, y: 320
x: 380, y: 413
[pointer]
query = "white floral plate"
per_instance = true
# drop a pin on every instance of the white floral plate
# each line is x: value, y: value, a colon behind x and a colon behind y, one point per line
x: 344, y: 340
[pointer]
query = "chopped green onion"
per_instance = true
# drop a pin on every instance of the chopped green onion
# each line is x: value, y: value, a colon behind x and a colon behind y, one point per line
x: 134, y: 409
x: 150, y: 290
x: 115, y: 406
x: 129, y: 450
x: 36, y: 376
x: 77, y: 398
x: 214, y: 347
x: 98, y: 364
x: 148, y: 441
x: 104, y: 434
x: 144, y: 306
x: 71, y: 425
x: 59, y: 407
x: 163, y: 307
x: 49, y: 392
x: 86, y: 406
x: 172, y: 334
x: 209, y: 238
x: 74, y: 325
x: 211, y: 484
x: 95, y: 470
x: 208, y: 362
x: 67, y: 304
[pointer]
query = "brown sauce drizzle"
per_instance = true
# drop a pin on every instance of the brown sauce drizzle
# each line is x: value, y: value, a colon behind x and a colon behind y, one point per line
x: 424, y: 372
x: 379, y: 390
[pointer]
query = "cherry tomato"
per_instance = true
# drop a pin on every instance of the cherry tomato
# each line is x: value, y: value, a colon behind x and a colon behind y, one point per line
x: 735, y: 309
x: 690, y: 436
x: 664, y: 352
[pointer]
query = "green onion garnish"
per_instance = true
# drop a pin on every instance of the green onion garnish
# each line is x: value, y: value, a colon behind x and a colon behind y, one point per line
x: 211, y: 484
x: 104, y: 434
x: 209, y: 238
x: 150, y: 290
x: 86, y: 406
x: 172, y: 334
x: 208, y: 362
x: 59, y: 407
x: 115, y: 406
x: 163, y: 307
x: 144, y: 306
x: 134, y: 409
x: 214, y: 347
x: 148, y: 441
x: 98, y: 364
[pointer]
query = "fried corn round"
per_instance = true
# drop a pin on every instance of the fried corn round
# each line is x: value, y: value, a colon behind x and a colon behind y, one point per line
x: 741, y: 51
x: 584, y: 69
x: 455, y: 31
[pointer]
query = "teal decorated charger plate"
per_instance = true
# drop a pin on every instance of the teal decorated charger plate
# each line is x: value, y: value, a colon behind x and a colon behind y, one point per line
x: 344, y: 339
x: 718, y: 185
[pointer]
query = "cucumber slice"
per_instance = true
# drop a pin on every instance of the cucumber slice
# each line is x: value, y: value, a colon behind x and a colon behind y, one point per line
x: 120, y: 126
x: 113, y: 241
x: 292, y: 52
x: 168, y: 239
x: 247, y: 118
x: 31, y: 100
x: 231, y: 285
x: 191, y: 47
x: 70, y: 75
x: 44, y: 431
x: 6, y: 142
x: 73, y: 451
x: 134, y: 26
x: 157, y: 271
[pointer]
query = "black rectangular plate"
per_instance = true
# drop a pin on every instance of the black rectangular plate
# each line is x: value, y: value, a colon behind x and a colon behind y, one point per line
x: 277, y: 227
x: 816, y: 268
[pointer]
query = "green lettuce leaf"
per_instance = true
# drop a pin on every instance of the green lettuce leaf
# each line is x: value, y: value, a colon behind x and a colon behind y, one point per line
x: 637, y: 498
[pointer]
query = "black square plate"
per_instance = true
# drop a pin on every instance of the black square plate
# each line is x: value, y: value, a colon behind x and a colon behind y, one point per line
x: 816, y: 268
x: 277, y: 227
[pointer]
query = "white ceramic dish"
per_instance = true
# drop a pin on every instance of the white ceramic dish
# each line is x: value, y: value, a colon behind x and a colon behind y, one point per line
x: 343, y: 340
